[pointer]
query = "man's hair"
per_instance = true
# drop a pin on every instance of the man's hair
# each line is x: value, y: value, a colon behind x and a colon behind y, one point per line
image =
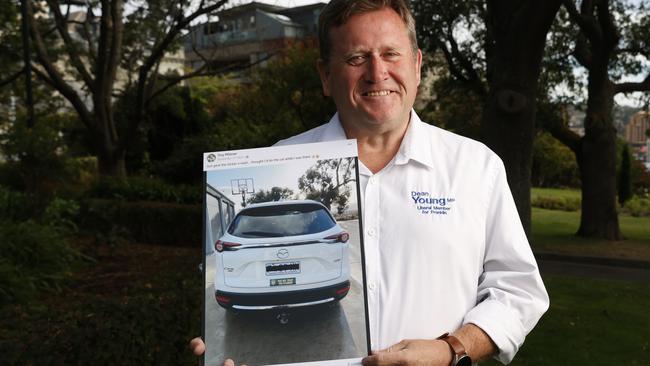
x: 338, y: 12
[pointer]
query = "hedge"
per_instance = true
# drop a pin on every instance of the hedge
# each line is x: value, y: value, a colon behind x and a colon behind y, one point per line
x: 146, y: 222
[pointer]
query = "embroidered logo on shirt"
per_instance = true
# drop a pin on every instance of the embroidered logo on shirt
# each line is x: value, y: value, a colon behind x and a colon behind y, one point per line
x: 428, y: 204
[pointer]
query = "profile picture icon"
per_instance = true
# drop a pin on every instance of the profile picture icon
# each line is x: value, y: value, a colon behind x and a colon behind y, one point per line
x: 211, y: 158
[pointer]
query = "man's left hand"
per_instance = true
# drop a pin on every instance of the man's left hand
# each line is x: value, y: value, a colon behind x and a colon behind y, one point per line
x: 418, y: 352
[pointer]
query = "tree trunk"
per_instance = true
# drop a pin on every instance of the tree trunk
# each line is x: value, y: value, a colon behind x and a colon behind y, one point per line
x: 515, y: 46
x: 597, y: 162
x: 111, y: 164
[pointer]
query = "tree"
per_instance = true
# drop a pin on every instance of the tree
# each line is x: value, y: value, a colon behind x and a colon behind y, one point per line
x: 496, y: 49
x: 94, y: 53
x: 327, y: 182
x: 274, y: 194
x: 608, y: 40
x: 625, y: 177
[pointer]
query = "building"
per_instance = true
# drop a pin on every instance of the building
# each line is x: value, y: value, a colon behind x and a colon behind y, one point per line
x: 636, y: 134
x: 250, y: 34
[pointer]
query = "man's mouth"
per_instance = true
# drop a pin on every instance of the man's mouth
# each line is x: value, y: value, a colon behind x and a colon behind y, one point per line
x: 376, y: 93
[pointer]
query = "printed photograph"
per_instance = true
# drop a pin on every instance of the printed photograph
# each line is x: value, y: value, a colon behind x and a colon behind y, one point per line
x: 283, y: 263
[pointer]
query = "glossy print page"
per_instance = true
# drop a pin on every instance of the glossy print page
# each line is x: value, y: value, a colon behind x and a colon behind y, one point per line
x: 283, y: 256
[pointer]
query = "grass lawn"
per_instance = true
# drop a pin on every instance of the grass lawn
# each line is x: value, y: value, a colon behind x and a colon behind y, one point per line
x: 555, y: 231
x: 590, y: 322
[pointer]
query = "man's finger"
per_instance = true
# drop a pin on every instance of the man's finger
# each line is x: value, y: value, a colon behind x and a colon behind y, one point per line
x: 383, y: 358
x: 228, y: 362
x: 197, y: 346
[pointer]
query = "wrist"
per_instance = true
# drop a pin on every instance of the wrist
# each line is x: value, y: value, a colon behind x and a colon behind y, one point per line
x: 459, y: 356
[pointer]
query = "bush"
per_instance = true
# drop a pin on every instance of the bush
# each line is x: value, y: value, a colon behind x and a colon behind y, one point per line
x: 145, y: 189
x: 16, y: 206
x: 34, y: 257
x: 638, y: 206
x: 62, y: 213
x: 556, y: 203
x: 147, y: 222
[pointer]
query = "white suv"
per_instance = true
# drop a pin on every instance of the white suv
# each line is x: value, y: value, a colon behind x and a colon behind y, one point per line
x: 282, y: 254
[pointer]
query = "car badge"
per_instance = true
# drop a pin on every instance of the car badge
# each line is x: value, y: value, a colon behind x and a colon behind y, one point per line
x: 283, y: 254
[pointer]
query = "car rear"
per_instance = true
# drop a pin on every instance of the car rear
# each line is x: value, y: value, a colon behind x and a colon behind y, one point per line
x: 282, y: 254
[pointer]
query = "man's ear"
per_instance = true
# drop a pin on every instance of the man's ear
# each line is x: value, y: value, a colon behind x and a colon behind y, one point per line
x: 324, y: 73
x: 418, y: 65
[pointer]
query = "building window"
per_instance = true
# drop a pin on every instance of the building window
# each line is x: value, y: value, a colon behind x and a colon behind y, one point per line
x: 252, y: 21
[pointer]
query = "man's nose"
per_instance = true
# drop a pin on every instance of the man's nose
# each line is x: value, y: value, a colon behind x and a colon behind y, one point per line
x: 376, y: 70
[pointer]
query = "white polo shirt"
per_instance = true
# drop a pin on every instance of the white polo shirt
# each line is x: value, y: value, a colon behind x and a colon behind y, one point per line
x: 444, y: 245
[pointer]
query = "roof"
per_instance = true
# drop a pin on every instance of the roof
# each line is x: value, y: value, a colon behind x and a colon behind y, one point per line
x: 236, y: 10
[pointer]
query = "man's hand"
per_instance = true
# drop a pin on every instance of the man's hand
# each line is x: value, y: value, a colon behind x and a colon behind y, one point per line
x: 198, y: 348
x: 418, y: 352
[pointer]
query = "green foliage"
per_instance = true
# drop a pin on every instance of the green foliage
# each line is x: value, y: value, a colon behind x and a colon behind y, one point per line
x: 34, y: 258
x: 456, y: 108
x: 554, y: 165
x: 62, y: 213
x: 145, y: 222
x: 327, y: 182
x: 638, y: 206
x: 38, y: 153
x: 556, y: 203
x: 144, y: 189
x: 624, y: 177
x: 274, y: 194
x: 113, y: 316
x: 16, y: 206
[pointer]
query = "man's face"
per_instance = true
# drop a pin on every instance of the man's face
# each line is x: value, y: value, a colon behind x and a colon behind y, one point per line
x: 372, y: 74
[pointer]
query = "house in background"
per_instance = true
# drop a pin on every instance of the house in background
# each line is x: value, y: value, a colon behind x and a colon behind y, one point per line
x: 635, y: 135
x: 250, y: 34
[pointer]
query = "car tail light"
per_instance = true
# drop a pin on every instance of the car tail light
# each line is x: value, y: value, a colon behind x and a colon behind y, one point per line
x: 220, y: 246
x: 343, y: 290
x: 341, y: 237
x: 222, y: 299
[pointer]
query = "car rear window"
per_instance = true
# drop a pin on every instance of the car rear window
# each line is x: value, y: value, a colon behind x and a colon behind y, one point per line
x: 281, y: 220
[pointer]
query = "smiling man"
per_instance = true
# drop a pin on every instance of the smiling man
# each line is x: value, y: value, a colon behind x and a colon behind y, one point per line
x: 450, y: 274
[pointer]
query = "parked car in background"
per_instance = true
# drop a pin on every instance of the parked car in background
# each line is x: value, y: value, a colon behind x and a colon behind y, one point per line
x: 282, y: 254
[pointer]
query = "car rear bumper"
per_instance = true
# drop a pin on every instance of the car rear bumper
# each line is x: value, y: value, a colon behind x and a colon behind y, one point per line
x: 282, y: 300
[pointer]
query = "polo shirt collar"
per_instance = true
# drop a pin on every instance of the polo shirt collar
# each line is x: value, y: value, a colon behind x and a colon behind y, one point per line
x: 415, y: 144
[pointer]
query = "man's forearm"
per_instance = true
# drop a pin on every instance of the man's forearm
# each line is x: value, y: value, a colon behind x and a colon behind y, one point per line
x: 477, y: 343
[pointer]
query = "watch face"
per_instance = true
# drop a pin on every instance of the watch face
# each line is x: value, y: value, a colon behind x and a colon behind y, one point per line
x: 464, y: 360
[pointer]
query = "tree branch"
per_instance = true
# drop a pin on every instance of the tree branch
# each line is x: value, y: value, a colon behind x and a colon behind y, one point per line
x: 643, y: 86
x: 54, y: 77
x: 71, y: 49
x: 9, y: 79
x: 584, y: 19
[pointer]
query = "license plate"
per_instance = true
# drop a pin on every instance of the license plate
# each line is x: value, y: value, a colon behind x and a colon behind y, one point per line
x: 282, y: 268
x: 283, y: 281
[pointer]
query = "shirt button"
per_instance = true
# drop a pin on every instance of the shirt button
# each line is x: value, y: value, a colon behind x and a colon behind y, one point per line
x: 372, y: 286
x: 371, y: 232
x: 371, y: 181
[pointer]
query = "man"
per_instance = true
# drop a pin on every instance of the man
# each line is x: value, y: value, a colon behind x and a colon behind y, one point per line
x: 445, y: 250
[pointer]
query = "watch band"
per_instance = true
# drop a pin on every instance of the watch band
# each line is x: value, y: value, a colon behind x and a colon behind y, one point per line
x: 460, y: 355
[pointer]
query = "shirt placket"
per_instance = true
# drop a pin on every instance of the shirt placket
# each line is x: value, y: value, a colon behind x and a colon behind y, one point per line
x: 371, y: 229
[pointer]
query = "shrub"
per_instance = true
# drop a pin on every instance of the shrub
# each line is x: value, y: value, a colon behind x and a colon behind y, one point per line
x: 62, y: 213
x: 16, y: 206
x: 638, y: 206
x: 34, y: 257
x: 145, y: 189
x: 147, y: 222
x: 556, y: 203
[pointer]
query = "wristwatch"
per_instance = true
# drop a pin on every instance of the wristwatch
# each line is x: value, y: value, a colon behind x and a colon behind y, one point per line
x: 460, y: 358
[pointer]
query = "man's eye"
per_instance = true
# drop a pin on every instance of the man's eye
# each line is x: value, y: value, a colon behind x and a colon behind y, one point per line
x: 391, y: 55
x: 356, y: 60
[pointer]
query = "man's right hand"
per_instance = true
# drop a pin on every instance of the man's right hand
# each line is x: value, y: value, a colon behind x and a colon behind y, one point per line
x: 198, y: 348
